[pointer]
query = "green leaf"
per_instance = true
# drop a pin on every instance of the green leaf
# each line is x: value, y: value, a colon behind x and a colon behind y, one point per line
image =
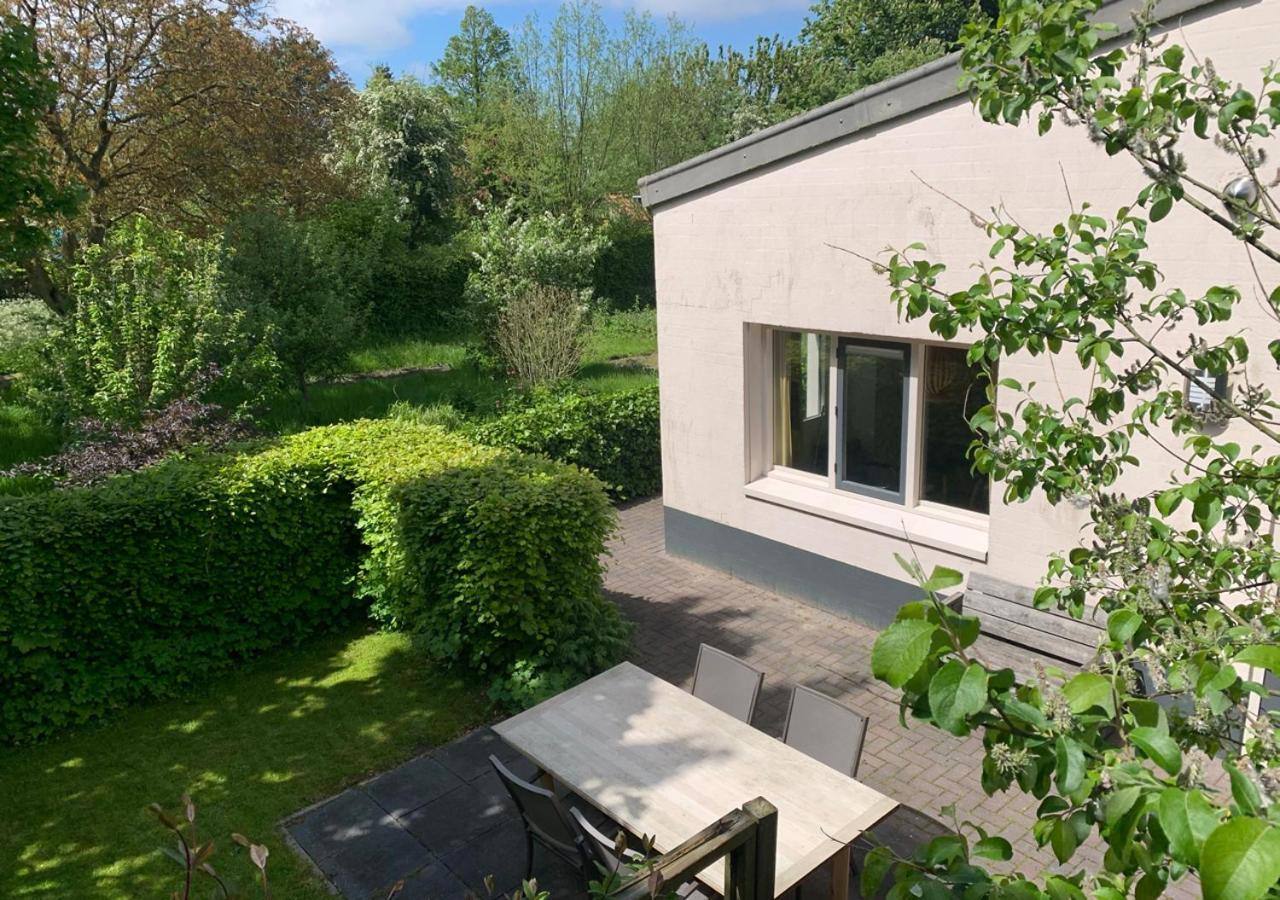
x: 1266, y: 656
x: 1241, y: 860
x: 874, y: 868
x: 1088, y: 690
x: 956, y: 692
x: 1063, y: 840
x: 942, y: 578
x: 1187, y: 820
x: 1243, y: 791
x: 1159, y: 747
x: 988, y: 848
x: 1161, y: 207
x: 901, y: 650
x: 1122, y: 624
x: 1069, y: 771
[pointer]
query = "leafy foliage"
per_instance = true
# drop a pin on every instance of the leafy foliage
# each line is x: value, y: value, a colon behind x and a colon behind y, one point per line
x: 614, y: 436
x: 515, y: 253
x: 401, y: 140
x: 1184, y: 575
x: 30, y: 198
x: 476, y: 63
x: 458, y: 543
x: 186, y: 112
x: 151, y: 319
x: 103, y: 449
x: 289, y: 293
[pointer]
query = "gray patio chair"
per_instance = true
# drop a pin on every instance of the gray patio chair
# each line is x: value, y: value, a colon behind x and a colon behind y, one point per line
x: 828, y: 731
x: 603, y: 852
x: 726, y: 682
x: 546, y: 822
x: 825, y: 729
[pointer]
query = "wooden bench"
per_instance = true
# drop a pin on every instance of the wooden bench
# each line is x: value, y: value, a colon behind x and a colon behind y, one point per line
x: 1018, y: 635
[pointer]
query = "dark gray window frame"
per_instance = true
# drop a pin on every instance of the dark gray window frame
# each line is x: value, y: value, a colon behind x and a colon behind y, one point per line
x: 900, y: 495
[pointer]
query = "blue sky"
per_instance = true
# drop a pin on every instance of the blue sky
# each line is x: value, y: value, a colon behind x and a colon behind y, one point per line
x: 410, y: 34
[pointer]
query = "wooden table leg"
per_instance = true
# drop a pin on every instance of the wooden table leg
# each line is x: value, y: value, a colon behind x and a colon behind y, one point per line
x: 840, y: 874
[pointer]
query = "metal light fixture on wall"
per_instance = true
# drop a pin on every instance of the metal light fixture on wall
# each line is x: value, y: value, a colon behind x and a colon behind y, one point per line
x: 1206, y: 405
x: 1240, y: 195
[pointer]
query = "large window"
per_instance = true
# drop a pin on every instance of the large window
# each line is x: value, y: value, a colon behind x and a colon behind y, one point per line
x: 898, y: 427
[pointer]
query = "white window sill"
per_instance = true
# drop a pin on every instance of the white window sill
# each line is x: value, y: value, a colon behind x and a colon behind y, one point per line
x: 928, y: 528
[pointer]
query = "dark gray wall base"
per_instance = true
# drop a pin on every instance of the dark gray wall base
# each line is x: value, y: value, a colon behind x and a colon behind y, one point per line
x: 867, y: 597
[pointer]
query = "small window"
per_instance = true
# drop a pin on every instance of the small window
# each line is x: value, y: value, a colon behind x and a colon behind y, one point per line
x: 953, y: 392
x: 873, y: 414
x: 801, y: 420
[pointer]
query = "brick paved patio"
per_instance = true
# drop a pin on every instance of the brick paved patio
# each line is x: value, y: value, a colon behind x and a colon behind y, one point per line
x: 677, y: 605
x: 442, y: 821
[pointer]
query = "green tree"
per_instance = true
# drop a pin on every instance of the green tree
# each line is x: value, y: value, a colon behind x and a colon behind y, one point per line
x: 597, y: 108
x: 30, y: 199
x: 402, y: 140
x: 187, y: 111
x: 476, y: 62
x: 291, y: 295
x: 1164, y: 748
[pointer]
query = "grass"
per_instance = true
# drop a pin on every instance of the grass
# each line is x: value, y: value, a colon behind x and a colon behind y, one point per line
x: 24, y: 434
x: 291, y: 729
x: 621, y: 335
x: 405, y: 353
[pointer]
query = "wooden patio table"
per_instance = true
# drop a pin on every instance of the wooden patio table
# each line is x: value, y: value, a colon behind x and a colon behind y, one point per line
x: 661, y: 762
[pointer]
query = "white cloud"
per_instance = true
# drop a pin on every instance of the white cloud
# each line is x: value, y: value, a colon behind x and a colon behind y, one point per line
x: 714, y: 10
x: 368, y: 27
x: 365, y: 25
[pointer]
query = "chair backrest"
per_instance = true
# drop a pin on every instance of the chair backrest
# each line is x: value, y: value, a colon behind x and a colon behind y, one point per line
x: 541, y: 810
x: 601, y: 849
x: 726, y: 682
x: 829, y: 731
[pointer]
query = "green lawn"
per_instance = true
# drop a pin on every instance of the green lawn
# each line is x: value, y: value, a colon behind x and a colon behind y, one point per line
x: 294, y: 728
x: 405, y: 353
x: 24, y: 434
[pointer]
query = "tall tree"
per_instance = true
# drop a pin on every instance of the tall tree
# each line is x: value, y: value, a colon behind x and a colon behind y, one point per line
x: 29, y: 196
x: 476, y: 61
x: 849, y: 44
x: 181, y: 109
x: 402, y: 140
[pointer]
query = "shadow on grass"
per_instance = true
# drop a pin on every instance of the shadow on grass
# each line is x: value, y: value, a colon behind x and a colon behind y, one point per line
x: 292, y: 729
x: 466, y: 387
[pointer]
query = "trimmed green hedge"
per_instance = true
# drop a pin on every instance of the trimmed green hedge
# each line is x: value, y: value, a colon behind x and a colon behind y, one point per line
x: 153, y: 582
x: 615, y: 436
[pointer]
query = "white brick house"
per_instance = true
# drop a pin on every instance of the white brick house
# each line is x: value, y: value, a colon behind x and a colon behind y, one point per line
x: 808, y: 435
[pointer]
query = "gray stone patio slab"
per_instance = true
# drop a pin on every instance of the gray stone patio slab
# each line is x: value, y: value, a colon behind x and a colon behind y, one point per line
x: 468, y: 758
x: 435, y: 882
x: 368, y: 869
x: 453, y: 820
x: 349, y: 820
x: 411, y: 785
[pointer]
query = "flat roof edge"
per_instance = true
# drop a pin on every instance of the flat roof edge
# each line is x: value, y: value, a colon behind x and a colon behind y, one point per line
x: 932, y: 83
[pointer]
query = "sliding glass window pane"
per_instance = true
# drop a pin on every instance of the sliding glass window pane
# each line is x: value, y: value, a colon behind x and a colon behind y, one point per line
x: 953, y: 392
x: 801, y: 426
x: 873, y: 384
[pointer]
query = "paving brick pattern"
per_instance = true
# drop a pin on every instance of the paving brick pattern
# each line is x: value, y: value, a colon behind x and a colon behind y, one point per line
x: 442, y: 822
x: 677, y: 605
